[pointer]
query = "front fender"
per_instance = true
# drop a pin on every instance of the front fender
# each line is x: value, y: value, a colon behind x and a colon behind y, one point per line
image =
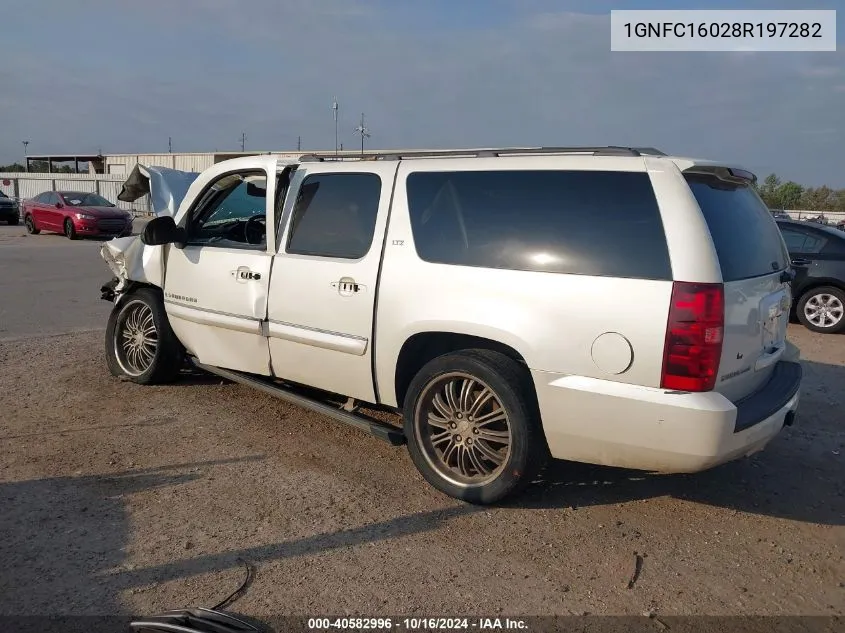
x: 133, y: 261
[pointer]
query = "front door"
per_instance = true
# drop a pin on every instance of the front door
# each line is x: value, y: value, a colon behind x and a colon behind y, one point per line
x: 804, y: 246
x: 216, y: 286
x: 323, y: 284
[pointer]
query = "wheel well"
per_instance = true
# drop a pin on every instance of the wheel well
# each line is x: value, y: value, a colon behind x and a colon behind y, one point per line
x: 134, y: 286
x: 820, y: 283
x: 426, y: 346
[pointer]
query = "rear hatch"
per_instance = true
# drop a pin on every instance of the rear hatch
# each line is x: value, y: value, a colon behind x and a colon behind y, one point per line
x: 753, y: 260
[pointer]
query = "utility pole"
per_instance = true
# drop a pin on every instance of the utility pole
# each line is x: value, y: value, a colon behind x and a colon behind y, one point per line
x: 243, y: 141
x: 335, y: 108
x: 25, y: 159
x: 169, y: 145
x: 363, y: 131
x: 298, y: 143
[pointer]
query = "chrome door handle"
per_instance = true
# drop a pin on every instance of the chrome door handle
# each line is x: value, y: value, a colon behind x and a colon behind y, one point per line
x: 346, y: 286
x: 244, y: 274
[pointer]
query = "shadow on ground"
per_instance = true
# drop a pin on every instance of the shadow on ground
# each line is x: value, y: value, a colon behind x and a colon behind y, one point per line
x: 72, y: 528
x: 77, y: 529
x: 799, y: 476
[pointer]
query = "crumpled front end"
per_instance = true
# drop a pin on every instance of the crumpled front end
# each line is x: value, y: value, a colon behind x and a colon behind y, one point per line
x: 132, y: 261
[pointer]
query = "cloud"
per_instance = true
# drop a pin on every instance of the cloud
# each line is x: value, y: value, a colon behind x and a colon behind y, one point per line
x: 203, y: 72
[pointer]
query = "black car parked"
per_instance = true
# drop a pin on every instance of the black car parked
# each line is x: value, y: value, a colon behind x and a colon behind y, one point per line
x: 9, y: 211
x: 817, y: 252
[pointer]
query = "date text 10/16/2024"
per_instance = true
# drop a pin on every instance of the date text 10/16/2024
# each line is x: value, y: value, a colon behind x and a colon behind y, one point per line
x: 412, y: 624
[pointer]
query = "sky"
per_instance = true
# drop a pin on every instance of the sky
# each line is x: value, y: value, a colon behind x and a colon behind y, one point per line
x: 123, y: 76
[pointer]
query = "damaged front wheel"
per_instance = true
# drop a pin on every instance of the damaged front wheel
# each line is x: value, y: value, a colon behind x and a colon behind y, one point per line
x: 140, y: 345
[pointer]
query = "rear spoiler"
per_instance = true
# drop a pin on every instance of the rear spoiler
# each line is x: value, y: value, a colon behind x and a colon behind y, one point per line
x: 166, y: 187
x: 728, y: 174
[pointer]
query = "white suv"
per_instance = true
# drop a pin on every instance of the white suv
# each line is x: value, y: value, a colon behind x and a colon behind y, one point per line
x: 607, y: 305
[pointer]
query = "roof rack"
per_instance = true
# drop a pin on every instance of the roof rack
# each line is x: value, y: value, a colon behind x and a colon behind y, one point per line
x: 609, y: 150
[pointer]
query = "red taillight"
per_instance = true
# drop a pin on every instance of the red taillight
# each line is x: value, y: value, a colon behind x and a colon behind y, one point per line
x: 693, y: 337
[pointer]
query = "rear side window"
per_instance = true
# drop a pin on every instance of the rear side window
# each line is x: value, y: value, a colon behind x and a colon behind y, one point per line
x: 801, y: 242
x: 746, y: 236
x: 335, y: 215
x: 603, y: 223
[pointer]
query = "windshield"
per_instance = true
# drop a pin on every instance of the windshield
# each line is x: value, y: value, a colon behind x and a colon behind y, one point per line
x: 746, y: 236
x: 3, y: 195
x: 81, y: 199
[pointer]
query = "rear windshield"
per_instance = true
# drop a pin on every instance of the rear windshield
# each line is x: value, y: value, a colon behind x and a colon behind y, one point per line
x: 744, y: 232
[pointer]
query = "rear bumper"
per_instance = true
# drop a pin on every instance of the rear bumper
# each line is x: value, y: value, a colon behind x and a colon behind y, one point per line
x: 9, y: 213
x: 614, y: 424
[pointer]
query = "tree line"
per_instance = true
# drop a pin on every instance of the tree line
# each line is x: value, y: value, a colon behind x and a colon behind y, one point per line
x: 790, y: 195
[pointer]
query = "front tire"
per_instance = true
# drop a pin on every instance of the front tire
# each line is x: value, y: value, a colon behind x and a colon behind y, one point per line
x: 822, y: 310
x: 140, y: 345
x: 473, y: 426
x: 70, y: 230
x: 30, y: 225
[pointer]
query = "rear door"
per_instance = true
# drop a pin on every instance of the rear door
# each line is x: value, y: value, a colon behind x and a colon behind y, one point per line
x: 48, y: 215
x: 35, y: 208
x: 323, y: 283
x: 753, y: 259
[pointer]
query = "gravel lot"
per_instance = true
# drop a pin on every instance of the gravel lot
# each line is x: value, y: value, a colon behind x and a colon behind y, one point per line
x: 117, y: 498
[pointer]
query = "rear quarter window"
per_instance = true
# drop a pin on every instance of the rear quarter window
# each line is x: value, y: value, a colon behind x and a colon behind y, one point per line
x: 746, y: 236
x: 602, y: 223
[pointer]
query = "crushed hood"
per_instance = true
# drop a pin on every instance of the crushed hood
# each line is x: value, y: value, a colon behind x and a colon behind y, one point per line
x: 167, y: 187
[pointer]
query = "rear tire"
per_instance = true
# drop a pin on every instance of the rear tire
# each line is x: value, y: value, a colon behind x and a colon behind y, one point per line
x: 473, y: 426
x: 70, y: 230
x: 140, y: 345
x: 822, y: 310
x: 29, y: 221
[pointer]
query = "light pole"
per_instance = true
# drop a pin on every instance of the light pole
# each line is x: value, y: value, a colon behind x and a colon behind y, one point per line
x: 363, y: 131
x: 25, y: 159
x: 335, y: 108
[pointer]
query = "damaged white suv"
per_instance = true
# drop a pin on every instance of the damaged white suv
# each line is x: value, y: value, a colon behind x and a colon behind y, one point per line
x: 607, y: 305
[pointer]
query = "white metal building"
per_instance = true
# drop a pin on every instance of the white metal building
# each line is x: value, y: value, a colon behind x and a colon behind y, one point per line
x: 105, y: 174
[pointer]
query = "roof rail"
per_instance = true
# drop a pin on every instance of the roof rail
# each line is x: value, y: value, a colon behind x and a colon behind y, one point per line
x: 609, y: 150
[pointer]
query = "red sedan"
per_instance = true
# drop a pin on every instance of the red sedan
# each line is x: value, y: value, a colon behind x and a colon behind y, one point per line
x: 75, y: 214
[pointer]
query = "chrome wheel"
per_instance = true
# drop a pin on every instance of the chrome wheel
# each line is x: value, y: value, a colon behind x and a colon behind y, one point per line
x: 135, y: 338
x: 824, y: 310
x: 462, y: 429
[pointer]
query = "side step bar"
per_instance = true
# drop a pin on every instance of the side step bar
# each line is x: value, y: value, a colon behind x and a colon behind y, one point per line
x: 381, y: 430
